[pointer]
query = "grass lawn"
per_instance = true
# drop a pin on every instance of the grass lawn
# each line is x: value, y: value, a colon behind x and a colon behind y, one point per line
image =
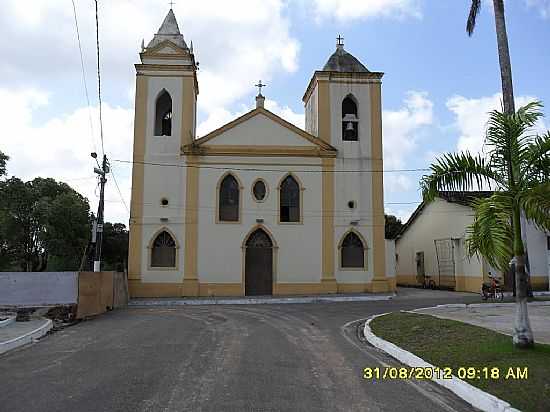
x: 448, y: 343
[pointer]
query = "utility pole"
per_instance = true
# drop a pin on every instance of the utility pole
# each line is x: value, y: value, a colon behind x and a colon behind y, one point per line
x: 102, y: 172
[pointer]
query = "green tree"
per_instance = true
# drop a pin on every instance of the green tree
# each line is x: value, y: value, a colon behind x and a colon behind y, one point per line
x: 3, y: 160
x: 43, y: 225
x: 115, y: 246
x: 503, y: 49
x: 518, y: 168
x: 393, y: 226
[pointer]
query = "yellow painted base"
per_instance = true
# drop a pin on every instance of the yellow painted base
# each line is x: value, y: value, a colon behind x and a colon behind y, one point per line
x: 539, y: 282
x: 139, y: 289
x: 468, y: 284
x: 406, y: 280
x: 379, y: 286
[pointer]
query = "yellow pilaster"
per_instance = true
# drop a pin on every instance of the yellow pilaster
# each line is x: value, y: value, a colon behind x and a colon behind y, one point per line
x: 328, y: 281
x: 379, y: 281
x: 190, y: 276
x: 136, y: 206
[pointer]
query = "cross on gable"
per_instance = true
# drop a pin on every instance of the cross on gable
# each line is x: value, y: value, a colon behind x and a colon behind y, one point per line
x: 339, y: 40
x: 171, y: 5
x: 259, y: 86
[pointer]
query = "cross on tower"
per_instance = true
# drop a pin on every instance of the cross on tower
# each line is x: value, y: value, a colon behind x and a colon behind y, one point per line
x: 171, y: 5
x: 259, y: 86
x: 339, y: 41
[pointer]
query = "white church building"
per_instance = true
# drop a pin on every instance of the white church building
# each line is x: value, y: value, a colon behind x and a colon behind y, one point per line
x: 258, y: 206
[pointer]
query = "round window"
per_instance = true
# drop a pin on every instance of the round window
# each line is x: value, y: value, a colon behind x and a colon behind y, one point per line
x: 259, y: 190
x: 164, y: 202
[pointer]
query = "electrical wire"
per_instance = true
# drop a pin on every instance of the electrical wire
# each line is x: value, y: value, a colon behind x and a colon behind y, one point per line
x: 83, y: 69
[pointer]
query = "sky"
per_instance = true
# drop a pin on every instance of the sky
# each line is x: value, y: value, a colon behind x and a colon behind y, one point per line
x: 438, y: 87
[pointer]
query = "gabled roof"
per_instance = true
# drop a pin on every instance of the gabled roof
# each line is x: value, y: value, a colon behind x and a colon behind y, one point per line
x: 458, y: 197
x: 320, y: 144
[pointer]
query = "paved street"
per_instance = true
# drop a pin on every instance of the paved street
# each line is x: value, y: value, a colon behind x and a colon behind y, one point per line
x: 294, y: 357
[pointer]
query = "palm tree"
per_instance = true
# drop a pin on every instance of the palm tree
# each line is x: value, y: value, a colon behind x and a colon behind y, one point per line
x: 503, y: 51
x: 517, y: 167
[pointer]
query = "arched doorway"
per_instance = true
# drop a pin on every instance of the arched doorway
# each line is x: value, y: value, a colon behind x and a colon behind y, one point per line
x: 258, y: 272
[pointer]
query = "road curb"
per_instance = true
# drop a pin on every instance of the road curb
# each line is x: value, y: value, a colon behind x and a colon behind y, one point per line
x: 7, y: 321
x: 480, y: 305
x: 27, y: 337
x: 257, y: 301
x: 474, y: 396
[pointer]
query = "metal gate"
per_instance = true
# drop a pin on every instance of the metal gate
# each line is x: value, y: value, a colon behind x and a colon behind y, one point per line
x: 444, y: 250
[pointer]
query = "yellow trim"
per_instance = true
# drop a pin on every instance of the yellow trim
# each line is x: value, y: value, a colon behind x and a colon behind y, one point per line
x: 310, y: 138
x: 241, y: 187
x: 323, y: 108
x: 190, y: 277
x: 259, y: 179
x: 248, y: 151
x: 297, y: 288
x: 189, y: 100
x: 275, y: 249
x: 365, y: 252
x: 139, y: 289
x: 302, y: 188
x: 539, y: 282
x: 406, y: 280
x: 220, y: 289
x: 327, y: 230
x: 150, y: 250
x: 377, y: 194
x: 340, y: 77
x: 138, y: 176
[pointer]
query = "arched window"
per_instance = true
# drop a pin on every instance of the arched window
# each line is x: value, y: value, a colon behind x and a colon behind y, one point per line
x: 163, y: 115
x: 350, y: 120
x: 163, y: 252
x: 289, y: 200
x: 352, y: 252
x: 229, y: 199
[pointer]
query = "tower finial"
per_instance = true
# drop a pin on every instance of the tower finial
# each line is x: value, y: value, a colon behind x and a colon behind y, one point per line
x: 171, y: 5
x: 339, y: 41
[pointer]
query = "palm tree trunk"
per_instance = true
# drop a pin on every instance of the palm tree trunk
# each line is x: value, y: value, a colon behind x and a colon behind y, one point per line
x: 504, y: 57
x: 523, y: 335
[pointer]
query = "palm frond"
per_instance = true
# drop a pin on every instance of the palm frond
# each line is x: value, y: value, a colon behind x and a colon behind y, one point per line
x: 536, y: 159
x: 535, y: 203
x: 490, y: 234
x: 458, y: 171
x: 474, y: 11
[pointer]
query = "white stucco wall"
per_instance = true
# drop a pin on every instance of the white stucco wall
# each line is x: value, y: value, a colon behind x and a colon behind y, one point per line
x: 163, y: 181
x: 311, y: 113
x: 537, y: 247
x: 391, y: 264
x: 298, y: 257
x: 439, y: 220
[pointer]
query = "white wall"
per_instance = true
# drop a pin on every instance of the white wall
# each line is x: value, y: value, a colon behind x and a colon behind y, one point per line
x: 391, y: 264
x: 220, y: 244
x: 38, y: 288
x: 438, y: 220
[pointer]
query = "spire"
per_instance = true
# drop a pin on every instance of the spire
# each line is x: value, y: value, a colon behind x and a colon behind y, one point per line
x: 169, y: 30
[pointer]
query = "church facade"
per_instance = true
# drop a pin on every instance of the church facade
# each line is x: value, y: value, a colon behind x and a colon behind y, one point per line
x: 258, y: 206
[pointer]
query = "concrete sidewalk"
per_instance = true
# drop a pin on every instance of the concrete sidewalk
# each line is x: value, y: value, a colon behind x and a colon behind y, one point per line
x: 259, y: 300
x: 498, y: 317
x: 17, y: 334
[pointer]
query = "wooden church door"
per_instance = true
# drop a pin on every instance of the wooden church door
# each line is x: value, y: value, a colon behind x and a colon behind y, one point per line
x: 259, y: 264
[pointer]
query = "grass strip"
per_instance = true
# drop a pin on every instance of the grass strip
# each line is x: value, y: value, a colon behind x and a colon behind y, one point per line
x: 449, y: 343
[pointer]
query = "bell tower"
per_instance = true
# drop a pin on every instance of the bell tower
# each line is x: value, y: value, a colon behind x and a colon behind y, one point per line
x: 343, y: 107
x: 165, y: 120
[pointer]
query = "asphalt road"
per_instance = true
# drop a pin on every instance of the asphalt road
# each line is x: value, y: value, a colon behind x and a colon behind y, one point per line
x: 293, y: 357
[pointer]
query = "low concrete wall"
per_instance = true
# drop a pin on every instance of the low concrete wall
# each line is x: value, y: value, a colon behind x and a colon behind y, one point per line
x: 92, y: 292
x: 38, y: 288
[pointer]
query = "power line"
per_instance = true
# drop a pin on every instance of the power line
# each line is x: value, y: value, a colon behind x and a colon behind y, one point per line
x: 119, y: 192
x: 99, y: 77
x: 84, y: 77
x: 242, y: 169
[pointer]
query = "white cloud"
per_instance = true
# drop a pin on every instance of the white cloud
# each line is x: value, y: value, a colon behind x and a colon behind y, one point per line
x: 543, y: 7
x: 60, y: 147
x: 360, y: 9
x: 472, y: 116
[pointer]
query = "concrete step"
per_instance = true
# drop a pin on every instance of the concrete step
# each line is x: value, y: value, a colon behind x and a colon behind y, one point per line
x: 16, y: 334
